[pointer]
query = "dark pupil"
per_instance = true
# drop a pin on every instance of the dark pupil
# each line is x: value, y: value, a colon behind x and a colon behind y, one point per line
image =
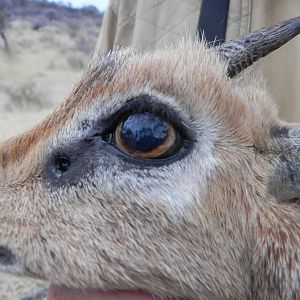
x: 143, y: 132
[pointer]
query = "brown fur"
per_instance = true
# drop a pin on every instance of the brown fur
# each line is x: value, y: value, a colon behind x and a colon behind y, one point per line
x: 203, y: 227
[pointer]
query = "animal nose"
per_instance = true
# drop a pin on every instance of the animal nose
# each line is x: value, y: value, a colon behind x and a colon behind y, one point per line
x: 7, y: 258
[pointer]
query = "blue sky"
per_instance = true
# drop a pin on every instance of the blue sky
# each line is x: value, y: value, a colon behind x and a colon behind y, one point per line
x: 100, y: 4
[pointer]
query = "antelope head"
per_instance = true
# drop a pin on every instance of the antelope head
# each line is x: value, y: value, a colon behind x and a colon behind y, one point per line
x: 164, y: 173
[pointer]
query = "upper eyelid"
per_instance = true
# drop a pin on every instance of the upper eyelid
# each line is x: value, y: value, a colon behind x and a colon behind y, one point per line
x: 150, y: 104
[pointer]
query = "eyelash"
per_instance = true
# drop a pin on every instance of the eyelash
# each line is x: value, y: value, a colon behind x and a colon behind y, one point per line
x: 145, y: 103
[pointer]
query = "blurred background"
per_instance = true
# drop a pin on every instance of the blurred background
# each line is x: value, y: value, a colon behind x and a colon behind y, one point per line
x: 44, y: 46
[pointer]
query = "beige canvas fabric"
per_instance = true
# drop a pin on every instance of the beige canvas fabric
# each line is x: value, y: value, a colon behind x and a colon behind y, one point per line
x: 282, y: 68
x: 146, y: 24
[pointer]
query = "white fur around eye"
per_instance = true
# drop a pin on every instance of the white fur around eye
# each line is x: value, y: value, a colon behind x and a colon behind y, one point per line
x: 177, y: 185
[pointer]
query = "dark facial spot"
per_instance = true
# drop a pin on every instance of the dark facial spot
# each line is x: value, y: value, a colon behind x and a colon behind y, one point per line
x: 61, y: 165
x: 71, y: 163
x: 279, y: 132
x: 52, y: 255
x: 6, y: 256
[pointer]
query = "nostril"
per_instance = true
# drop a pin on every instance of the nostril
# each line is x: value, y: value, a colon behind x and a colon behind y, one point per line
x: 61, y: 164
x: 7, y: 257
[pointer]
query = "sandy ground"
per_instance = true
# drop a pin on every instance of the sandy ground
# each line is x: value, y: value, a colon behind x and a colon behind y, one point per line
x: 35, y: 76
x: 12, y: 124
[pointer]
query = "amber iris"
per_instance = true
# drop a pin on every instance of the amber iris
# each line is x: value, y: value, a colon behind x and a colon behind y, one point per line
x: 145, y: 135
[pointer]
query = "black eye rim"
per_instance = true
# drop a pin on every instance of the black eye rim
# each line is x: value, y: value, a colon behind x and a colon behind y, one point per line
x: 150, y: 104
x: 147, y: 103
x: 149, y: 162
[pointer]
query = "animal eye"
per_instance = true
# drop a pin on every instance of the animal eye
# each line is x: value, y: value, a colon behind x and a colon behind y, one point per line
x: 147, y: 135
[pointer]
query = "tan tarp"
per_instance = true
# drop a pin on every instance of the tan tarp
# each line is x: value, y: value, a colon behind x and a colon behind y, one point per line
x: 148, y: 24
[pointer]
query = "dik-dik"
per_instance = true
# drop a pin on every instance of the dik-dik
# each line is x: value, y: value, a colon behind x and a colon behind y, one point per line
x: 165, y: 173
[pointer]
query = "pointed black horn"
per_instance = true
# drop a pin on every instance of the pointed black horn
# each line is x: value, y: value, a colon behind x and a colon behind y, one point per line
x: 244, y: 51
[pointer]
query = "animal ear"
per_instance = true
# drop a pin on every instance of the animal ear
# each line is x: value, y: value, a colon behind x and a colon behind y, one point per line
x: 284, y: 181
x: 244, y: 51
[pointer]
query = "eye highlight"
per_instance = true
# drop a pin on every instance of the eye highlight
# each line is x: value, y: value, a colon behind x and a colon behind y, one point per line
x: 146, y: 135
